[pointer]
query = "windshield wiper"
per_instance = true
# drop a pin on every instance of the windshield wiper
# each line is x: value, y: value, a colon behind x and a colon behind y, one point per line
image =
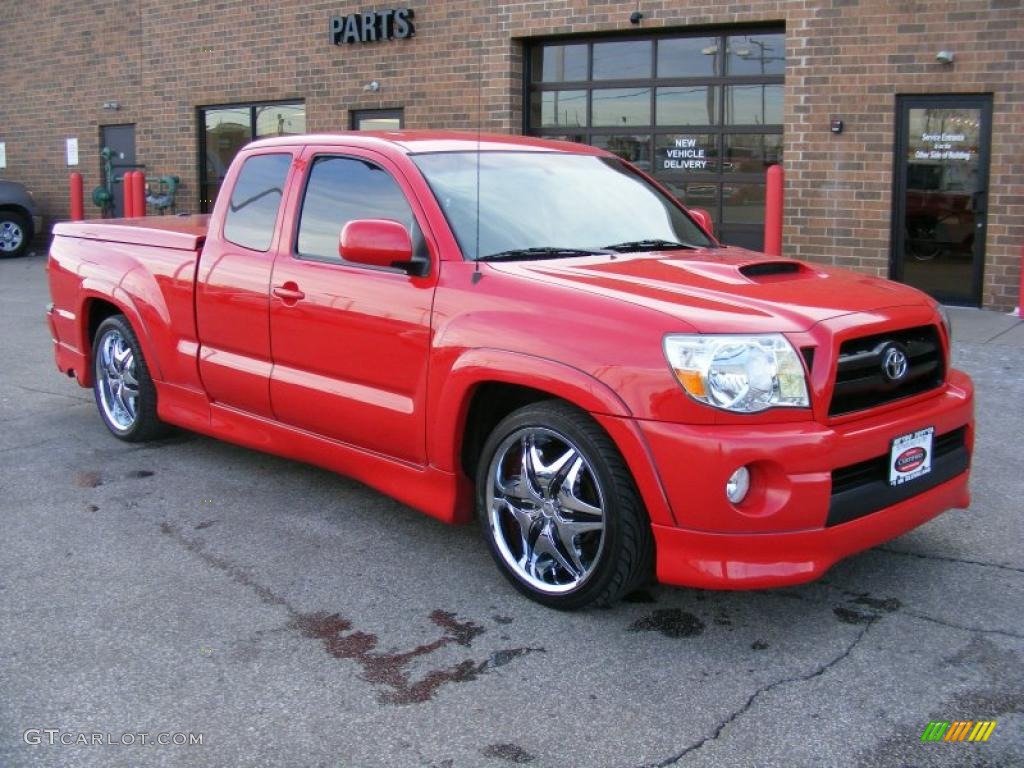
x: 539, y: 253
x: 649, y: 245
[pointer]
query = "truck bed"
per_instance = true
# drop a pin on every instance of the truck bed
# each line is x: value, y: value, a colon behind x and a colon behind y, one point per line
x: 184, y: 232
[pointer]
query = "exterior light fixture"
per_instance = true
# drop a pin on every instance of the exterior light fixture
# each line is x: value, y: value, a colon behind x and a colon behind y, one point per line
x: 111, y: 105
x: 373, y: 86
x: 945, y: 57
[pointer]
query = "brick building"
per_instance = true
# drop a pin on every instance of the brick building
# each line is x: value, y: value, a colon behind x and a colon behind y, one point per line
x: 923, y: 180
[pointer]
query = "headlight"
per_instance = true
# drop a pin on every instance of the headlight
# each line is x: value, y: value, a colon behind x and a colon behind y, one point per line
x: 745, y: 374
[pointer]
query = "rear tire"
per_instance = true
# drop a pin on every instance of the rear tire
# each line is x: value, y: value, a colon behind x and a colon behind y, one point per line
x: 15, y: 234
x: 559, y: 509
x: 125, y: 395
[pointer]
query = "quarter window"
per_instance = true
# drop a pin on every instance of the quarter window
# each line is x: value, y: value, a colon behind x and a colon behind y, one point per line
x: 255, y: 200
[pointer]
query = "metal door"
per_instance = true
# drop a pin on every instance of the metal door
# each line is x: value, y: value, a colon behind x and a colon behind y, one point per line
x: 120, y: 139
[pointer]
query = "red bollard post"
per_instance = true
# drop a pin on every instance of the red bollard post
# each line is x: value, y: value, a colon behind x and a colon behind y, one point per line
x: 140, y: 193
x: 128, y: 194
x: 77, y: 205
x: 773, y: 211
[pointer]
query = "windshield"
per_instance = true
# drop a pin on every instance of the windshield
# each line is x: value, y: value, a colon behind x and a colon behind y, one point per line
x: 545, y: 201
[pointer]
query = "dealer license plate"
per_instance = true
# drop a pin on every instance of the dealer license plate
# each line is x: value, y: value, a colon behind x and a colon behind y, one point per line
x: 911, y: 456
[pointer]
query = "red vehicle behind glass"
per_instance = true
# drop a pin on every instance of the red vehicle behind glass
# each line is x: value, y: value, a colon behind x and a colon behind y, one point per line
x: 535, y: 333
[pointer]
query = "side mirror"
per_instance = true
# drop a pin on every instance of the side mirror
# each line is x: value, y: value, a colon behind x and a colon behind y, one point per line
x: 377, y: 243
x: 704, y: 219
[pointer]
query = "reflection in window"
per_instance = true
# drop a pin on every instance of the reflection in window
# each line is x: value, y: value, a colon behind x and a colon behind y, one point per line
x: 627, y: 60
x: 756, y: 54
x: 696, y: 195
x: 635, y: 149
x: 751, y: 152
x: 227, y: 131
x: 563, y: 109
x: 621, y: 106
x: 280, y: 120
x: 223, y: 131
x: 559, y: 63
x: 753, y: 104
x: 339, y: 190
x: 690, y: 105
x: 688, y: 57
x: 377, y: 119
x: 252, y: 214
x: 743, y: 203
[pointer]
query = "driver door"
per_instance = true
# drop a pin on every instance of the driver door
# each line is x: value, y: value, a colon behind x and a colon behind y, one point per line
x: 350, y: 343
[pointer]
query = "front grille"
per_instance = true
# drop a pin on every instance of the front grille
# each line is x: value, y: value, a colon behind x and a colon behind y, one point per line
x: 862, y: 488
x: 861, y: 381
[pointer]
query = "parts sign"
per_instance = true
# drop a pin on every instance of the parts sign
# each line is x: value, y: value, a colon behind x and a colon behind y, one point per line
x: 371, y: 26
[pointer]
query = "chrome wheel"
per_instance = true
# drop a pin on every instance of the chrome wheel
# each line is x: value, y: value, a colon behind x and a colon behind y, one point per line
x: 11, y: 236
x: 116, y: 381
x: 545, y: 509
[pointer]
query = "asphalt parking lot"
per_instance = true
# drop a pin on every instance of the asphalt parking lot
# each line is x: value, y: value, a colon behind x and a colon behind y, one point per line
x: 292, y: 617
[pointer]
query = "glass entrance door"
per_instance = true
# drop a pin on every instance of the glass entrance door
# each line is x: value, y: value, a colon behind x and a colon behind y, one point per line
x: 940, y: 195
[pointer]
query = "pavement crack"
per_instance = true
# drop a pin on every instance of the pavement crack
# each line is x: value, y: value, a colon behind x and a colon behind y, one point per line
x: 944, y: 558
x: 735, y: 715
x: 77, y: 398
x: 964, y: 627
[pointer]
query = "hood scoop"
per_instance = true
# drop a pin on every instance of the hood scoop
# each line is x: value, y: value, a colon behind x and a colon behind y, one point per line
x: 773, y: 271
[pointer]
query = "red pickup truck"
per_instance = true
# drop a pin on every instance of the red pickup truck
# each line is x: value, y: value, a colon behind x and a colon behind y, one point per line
x: 538, y: 334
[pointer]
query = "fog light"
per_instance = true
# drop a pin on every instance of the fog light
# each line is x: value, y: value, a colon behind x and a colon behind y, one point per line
x: 737, y: 486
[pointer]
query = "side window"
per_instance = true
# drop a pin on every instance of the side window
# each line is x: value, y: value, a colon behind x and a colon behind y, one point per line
x: 341, y: 189
x: 255, y: 199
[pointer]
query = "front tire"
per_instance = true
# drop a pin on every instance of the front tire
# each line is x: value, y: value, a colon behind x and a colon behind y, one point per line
x: 124, y: 390
x: 559, y: 509
x: 15, y: 234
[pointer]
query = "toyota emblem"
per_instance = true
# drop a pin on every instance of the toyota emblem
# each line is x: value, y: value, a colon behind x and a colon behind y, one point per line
x: 894, y: 364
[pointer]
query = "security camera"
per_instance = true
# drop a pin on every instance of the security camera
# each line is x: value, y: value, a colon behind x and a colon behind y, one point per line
x: 944, y: 57
x: 635, y: 16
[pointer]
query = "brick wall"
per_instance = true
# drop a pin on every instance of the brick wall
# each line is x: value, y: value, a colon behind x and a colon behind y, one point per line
x: 846, y: 58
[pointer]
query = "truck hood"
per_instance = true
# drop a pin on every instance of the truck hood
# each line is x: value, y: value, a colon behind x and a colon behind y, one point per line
x: 724, y: 290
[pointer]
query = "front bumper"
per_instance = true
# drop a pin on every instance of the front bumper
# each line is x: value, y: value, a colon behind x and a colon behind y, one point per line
x: 793, y: 525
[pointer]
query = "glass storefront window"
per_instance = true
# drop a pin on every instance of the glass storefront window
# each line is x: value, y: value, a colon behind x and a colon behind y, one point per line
x: 688, y: 57
x: 559, y: 63
x: 755, y: 54
x: 751, y: 152
x: 686, y: 153
x: 626, y: 60
x: 702, y: 112
x: 621, y: 106
x: 563, y: 109
x: 377, y: 119
x: 753, y: 104
x: 223, y: 131
x: 636, y: 148
x: 686, y: 105
x: 743, y: 203
x: 280, y: 120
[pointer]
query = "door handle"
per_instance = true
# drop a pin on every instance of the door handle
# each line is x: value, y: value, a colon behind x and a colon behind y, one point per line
x: 289, y: 293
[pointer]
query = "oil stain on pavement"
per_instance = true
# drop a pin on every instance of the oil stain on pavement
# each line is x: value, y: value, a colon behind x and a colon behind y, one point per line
x: 342, y: 640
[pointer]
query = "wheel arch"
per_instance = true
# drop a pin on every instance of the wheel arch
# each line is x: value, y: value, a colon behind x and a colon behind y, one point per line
x: 485, y: 385
x: 96, y: 307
